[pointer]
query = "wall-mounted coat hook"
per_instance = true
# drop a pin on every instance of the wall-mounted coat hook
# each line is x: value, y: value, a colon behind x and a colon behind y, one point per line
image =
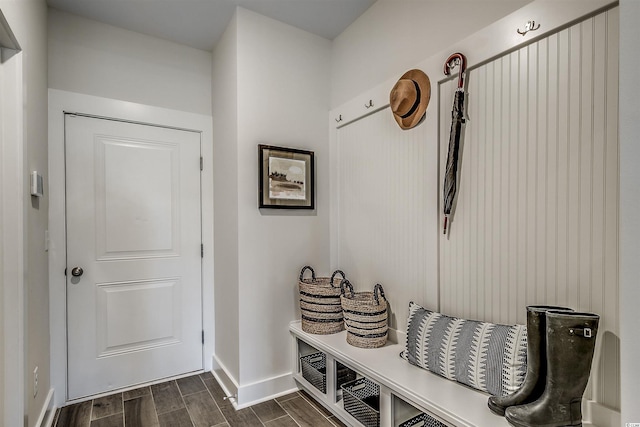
x: 369, y: 105
x: 339, y: 119
x: 531, y: 26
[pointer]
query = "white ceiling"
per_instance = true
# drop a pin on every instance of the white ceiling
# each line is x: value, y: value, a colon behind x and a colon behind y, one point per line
x: 199, y: 23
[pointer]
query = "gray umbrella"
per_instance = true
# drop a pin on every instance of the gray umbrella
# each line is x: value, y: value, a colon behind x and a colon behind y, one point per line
x: 457, y: 120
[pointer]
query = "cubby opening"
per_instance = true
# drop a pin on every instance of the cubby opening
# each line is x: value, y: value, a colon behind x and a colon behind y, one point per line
x: 313, y: 366
x: 407, y: 415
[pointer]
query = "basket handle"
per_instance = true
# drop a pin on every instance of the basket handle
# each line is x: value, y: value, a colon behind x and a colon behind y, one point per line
x: 378, y: 292
x: 334, y: 275
x: 313, y: 273
x: 343, y: 285
x: 359, y: 387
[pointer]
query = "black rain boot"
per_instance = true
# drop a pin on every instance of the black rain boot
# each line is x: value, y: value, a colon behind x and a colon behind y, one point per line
x: 571, y: 339
x: 533, y: 384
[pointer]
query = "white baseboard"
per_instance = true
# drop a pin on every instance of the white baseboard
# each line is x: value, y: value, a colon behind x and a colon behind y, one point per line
x: 600, y: 415
x: 243, y: 396
x: 47, y: 413
x: 227, y: 382
x: 267, y: 389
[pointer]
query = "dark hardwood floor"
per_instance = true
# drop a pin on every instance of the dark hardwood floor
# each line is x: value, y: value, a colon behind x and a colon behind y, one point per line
x: 195, y: 401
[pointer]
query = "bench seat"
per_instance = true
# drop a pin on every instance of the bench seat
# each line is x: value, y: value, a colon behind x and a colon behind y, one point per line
x: 451, y: 402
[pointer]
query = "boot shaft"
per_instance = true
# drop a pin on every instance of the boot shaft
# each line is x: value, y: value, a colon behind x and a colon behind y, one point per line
x: 571, y: 338
x: 537, y: 324
x: 536, y: 335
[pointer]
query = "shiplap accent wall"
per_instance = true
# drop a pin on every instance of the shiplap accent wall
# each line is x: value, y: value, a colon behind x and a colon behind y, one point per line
x: 382, y: 200
x: 536, y: 220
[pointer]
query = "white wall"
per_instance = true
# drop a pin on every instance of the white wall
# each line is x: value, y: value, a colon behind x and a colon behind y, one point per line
x: 225, y: 184
x: 12, y: 236
x: 392, y: 36
x: 629, y: 208
x: 93, y: 58
x: 282, y: 99
x: 37, y: 210
x: 28, y: 20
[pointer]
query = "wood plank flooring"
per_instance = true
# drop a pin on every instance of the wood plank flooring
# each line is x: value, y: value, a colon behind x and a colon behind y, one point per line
x: 195, y: 401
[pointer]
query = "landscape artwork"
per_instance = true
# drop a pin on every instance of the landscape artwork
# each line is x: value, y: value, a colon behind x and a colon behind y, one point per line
x: 287, y: 179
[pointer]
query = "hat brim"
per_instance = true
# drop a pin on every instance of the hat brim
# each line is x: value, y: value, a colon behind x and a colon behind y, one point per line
x: 424, y: 84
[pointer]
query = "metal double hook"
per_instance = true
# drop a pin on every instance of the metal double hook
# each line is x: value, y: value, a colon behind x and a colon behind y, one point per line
x: 456, y: 59
x: 531, y: 26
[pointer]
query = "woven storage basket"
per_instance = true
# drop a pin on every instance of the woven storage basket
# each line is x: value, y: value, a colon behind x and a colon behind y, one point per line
x: 314, y: 370
x: 365, y: 316
x: 422, y: 420
x: 320, y: 303
x: 361, y: 399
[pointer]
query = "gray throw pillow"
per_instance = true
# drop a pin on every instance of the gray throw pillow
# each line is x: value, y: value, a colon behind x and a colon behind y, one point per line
x: 486, y: 356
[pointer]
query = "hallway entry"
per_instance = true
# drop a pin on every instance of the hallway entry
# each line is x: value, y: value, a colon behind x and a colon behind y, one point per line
x: 134, y: 289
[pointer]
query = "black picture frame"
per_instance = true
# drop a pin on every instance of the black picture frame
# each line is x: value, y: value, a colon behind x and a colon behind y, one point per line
x: 286, y: 178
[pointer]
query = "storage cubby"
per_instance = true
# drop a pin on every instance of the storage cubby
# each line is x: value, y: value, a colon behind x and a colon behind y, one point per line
x: 407, y: 415
x: 312, y: 365
x: 344, y: 375
x: 314, y: 370
x: 361, y: 400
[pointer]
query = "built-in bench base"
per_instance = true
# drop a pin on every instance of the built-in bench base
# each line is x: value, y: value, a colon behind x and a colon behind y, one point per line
x: 405, y: 390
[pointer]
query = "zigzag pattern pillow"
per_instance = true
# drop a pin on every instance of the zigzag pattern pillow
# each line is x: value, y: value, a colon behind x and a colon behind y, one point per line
x: 485, y: 356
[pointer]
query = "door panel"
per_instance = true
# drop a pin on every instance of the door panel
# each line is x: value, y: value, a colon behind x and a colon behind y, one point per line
x: 140, y: 192
x: 119, y: 305
x: 133, y: 226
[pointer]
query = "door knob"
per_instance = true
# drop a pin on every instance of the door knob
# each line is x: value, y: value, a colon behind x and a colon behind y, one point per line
x: 77, y: 271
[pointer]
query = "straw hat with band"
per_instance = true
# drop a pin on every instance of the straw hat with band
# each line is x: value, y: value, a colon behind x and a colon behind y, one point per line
x: 409, y: 98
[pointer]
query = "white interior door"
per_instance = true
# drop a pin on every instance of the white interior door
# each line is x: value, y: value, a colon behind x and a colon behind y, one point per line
x: 133, y: 228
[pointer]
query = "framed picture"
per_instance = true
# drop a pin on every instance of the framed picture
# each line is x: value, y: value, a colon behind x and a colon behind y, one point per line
x: 285, y: 178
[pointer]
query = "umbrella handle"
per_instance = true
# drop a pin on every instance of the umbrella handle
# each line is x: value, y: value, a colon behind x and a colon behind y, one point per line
x: 456, y: 59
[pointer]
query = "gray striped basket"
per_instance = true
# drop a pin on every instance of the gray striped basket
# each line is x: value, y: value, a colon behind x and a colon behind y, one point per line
x: 365, y: 316
x: 320, y: 303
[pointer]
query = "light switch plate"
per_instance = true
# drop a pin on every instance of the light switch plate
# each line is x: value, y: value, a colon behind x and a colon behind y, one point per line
x: 37, y: 184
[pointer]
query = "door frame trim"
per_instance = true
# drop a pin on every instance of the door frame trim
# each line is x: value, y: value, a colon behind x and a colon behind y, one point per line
x: 61, y: 102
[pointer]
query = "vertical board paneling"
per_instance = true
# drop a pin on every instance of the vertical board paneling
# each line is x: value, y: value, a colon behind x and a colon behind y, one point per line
x: 562, y: 200
x: 536, y: 218
x: 382, y: 226
x: 573, y: 164
x: 609, y: 386
x: 513, y: 184
x: 551, y: 162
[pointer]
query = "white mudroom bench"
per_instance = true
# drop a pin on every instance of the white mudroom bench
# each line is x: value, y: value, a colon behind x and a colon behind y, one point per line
x: 405, y: 390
